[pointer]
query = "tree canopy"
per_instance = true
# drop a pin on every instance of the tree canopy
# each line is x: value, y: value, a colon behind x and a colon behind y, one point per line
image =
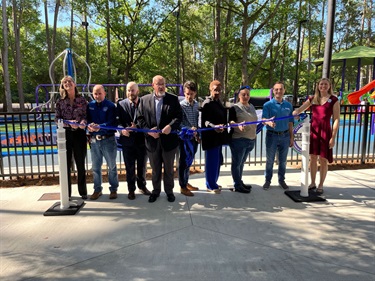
x: 243, y: 42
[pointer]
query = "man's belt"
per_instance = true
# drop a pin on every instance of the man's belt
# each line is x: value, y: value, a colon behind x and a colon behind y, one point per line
x: 103, y: 137
x: 277, y: 132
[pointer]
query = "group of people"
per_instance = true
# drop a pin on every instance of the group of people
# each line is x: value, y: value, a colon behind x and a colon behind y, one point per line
x: 149, y: 128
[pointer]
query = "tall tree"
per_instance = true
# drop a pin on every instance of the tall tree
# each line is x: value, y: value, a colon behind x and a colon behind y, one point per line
x: 5, y: 63
x: 17, y: 11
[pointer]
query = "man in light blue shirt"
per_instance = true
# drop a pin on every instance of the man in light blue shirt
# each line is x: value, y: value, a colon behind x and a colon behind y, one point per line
x: 279, y: 136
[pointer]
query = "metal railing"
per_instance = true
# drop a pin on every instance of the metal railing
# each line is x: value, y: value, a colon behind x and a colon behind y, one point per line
x: 28, y: 143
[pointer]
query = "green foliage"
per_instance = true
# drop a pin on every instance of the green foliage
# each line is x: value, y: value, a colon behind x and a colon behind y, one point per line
x: 143, y: 40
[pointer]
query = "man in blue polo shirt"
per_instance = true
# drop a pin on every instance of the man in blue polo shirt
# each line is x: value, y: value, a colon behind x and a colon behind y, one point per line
x: 279, y: 136
x: 101, y: 113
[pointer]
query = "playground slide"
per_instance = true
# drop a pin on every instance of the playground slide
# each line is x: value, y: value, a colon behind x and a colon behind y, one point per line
x: 353, y: 98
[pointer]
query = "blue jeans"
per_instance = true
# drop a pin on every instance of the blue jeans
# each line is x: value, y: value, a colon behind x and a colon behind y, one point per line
x: 276, y: 143
x: 108, y: 149
x: 183, y: 168
x: 240, y: 149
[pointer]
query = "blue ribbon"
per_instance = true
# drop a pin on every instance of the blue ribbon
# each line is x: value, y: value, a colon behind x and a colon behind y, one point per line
x: 189, y: 132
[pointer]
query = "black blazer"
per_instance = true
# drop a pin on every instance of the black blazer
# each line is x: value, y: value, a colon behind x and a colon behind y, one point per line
x: 215, y: 113
x: 171, y: 114
x: 125, y: 119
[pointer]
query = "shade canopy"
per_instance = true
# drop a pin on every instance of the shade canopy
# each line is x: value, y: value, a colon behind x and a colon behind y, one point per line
x: 366, y: 54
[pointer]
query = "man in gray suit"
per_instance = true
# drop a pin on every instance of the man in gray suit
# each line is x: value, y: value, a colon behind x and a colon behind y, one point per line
x: 160, y: 111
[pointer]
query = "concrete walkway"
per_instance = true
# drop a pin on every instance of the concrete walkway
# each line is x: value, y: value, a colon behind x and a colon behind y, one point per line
x: 259, y: 236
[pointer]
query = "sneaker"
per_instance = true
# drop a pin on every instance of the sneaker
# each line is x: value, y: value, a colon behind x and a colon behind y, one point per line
x: 186, y: 192
x: 283, y: 185
x: 214, y: 191
x: 266, y: 185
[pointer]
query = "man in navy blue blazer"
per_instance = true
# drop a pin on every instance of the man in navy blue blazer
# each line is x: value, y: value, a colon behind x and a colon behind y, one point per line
x: 161, y: 113
x: 133, y: 142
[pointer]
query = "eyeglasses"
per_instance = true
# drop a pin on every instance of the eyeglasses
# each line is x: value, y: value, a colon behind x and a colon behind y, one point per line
x: 245, y: 87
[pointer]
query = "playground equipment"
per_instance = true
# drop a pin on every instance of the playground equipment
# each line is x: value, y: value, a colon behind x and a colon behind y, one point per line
x: 353, y: 98
x: 69, y: 68
x: 257, y: 96
x: 357, y: 56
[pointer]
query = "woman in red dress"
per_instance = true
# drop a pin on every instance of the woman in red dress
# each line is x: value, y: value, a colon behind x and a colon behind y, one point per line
x: 324, y: 105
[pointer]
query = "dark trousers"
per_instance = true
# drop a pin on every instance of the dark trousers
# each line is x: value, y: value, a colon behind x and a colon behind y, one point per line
x: 132, y: 155
x: 76, y: 144
x: 183, y: 168
x: 162, y: 159
x: 214, y: 159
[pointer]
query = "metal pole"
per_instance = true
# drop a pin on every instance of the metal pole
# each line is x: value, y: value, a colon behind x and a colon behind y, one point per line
x: 305, y: 145
x: 329, y: 38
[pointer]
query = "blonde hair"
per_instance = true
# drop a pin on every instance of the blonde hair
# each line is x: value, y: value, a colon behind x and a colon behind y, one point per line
x: 317, y: 95
x: 63, y: 92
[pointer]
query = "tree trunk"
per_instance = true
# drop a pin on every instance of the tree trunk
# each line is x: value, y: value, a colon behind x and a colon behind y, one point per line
x: 5, y: 63
x: 18, y: 57
x: 226, y: 89
x: 218, y: 60
x: 108, y: 30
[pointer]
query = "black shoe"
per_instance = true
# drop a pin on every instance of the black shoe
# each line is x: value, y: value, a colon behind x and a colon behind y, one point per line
x: 84, y: 197
x: 242, y: 190
x: 131, y: 195
x: 153, y: 198
x: 171, y: 197
x: 247, y: 186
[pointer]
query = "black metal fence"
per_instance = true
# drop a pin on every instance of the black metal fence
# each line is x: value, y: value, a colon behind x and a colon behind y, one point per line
x: 28, y: 143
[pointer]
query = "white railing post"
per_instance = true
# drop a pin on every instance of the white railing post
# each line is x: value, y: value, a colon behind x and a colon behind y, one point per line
x: 305, y: 157
x: 63, y: 172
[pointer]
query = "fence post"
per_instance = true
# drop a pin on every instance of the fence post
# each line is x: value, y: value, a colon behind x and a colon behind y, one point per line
x: 364, y: 134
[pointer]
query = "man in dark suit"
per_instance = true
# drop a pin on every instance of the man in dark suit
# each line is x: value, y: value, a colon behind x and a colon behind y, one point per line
x: 133, y: 143
x: 161, y: 113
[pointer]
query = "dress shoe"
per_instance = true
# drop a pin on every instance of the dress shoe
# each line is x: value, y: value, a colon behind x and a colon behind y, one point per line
x: 95, y: 195
x: 191, y: 188
x: 186, y: 192
x: 145, y: 191
x: 247, y: 186
x: 131, y: 195
x: 84, y: 197
x: 242, y: 190
x: 171, y: 197
x: 153, y: 198
x: 113, y: 195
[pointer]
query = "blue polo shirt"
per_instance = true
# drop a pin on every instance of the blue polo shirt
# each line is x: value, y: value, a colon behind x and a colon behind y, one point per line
x: 278, y: 109
x: 104, y: 114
